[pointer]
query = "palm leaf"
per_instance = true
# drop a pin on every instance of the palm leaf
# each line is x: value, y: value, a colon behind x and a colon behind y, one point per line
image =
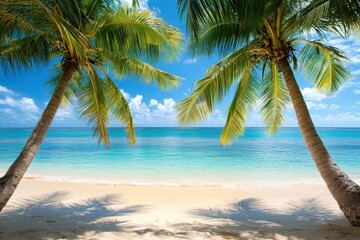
x: 211, y: 89
x: 243, y: 101
x: 74, y: 41
x: 126, y: 66
x: 91, y: 102
x: 25, y: 53
x: 217, y: 37
x: 120, y: 108
x: 325, y: 66
x: 274, y: 99
x: 72, y: 88
x: 138, y: 34
x: 344, y: 12
x: 199, y: 13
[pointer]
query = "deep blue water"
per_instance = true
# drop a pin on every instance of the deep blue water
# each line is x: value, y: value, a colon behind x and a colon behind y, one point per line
x: 189, y: 156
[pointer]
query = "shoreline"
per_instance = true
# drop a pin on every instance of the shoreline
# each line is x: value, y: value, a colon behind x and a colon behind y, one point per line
x: 181, y: 182
x: 60, y: 210
x: 185, y: 182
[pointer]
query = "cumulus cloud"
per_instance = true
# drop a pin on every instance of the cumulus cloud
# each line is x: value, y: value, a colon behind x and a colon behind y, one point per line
x: 5, y: 90
x: 25, y: 104
x: 311, y: 94
x: 137, y: 105
x: 153, y: 102
x: 156, y: 113
x: 163, y: 113
x: 14, y: 109
x: 166, y: 108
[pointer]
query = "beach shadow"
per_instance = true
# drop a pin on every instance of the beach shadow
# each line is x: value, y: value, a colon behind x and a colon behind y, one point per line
x: 46, y: 217
x: 250, y: 219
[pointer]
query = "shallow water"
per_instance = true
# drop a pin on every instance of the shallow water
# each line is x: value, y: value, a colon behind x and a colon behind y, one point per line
x: 181, y: 156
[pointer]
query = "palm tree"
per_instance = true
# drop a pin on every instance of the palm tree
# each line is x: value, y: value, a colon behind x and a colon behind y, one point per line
x: 263, y: 42
x: 85, y: 38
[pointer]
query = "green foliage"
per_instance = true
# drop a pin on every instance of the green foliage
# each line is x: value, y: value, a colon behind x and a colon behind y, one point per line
x: 138, y: 34
x: 96, y: 35
x: 125, y: 66
x: 324, y: 65
x: 274, y: 98
x: 211, y: 89
x: 257, y: 35
x: 244, y: 99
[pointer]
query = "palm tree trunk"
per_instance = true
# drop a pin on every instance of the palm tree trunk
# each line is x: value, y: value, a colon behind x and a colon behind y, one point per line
x: 345, y: 191
x: 11, y: 179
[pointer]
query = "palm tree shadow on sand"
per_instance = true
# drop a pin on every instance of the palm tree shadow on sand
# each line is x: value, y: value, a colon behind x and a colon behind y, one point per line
x: 250, y: 219
x: 45, y: 217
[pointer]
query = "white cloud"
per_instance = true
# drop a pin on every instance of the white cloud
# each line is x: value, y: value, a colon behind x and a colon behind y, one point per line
x: 7, y: 111
x: 215, y: 119
x: 311, y: 94
x: 155, y: 113
x: 143, y: 3
x: 125, y: 94
x: 357, y: 91
x: 25, y: 104
x: 153, y: 102
x: 348, y: 46
x: 321, y: 106
x: 5, y: 90
x: 340, y: 119
x: 190, y: 60
x: 353, y: 85
x: 356, y: 72
x: 137, y: 105
x: 64, y: 113
x: 334, y: 107
x: 316, y: 106
x: 20, y: 110
x: 167, y: 108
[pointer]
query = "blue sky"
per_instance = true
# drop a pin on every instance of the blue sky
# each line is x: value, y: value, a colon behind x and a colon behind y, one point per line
x: 23, y: 95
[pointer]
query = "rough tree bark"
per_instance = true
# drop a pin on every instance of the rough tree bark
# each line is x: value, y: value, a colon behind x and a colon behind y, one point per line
x: 345, y: 191
x: 11, y: 179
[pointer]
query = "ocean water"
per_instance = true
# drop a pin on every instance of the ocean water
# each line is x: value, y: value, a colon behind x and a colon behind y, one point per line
x: 181, y: 156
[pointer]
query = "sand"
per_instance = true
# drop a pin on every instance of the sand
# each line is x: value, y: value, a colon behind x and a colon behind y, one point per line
x: 57, y: 210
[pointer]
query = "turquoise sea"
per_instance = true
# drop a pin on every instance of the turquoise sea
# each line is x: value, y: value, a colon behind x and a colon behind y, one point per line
x: 181, y: 156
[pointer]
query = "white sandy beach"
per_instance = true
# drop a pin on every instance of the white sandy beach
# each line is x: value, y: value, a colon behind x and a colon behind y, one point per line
x: 58, y: 210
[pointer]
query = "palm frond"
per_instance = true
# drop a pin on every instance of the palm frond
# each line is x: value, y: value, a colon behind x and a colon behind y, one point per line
x: 324, y: 65
x: 211, y: 89
x: 199, y: 13
x: 274, y: 99
x: 238, y: 111
x: 138, y: 34
x: 120, y: 108
x: 25, y: 53
x: 72, y: 88
x: 344, y: 12
x: 94, y: 9
x: 91, y: 102
x: 20, y: 18
x: 217, y: 37
x: 125, y: 66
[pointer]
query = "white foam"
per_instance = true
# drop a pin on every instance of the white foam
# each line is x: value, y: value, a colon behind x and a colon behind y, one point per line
x: 248, y: 183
